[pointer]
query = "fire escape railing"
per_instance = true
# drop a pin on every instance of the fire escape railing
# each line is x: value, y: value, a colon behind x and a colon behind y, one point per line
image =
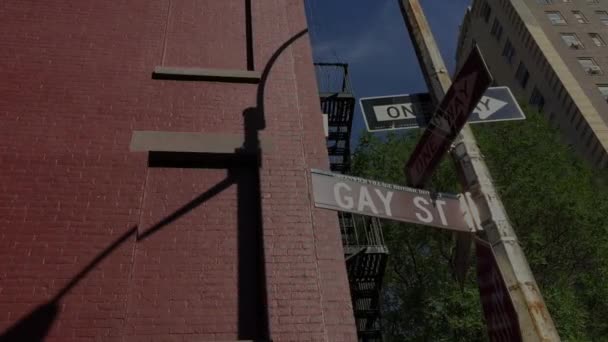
x: 364, y: 248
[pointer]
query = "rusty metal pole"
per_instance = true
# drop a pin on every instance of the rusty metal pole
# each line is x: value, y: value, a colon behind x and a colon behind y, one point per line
x: 534, y: 319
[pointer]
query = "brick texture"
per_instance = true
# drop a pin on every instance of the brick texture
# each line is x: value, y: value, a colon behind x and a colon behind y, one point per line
x: 76, y: 80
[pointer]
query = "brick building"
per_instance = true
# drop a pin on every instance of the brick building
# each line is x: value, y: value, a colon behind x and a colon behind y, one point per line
x: 155, y: 183
x: 553, y: 56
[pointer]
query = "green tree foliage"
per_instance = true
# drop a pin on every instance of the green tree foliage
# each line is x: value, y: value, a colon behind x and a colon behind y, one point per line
x: 558, y: 206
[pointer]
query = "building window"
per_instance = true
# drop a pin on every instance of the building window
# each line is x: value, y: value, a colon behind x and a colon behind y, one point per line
x: 579, y: 121
x: 572, y: 40
x: 486, y: 11
x: 556, y: 18
x: 572, y: 116
x: 509, y: 52
x: 590, y: 66
x: 597, y: 39
x: 537, y: 99
x: 496, y: 30
x: 522, y: 75
x: 603, y: 88
x: 580, y: 18
x: 595, y: 147
x: 603, y: 15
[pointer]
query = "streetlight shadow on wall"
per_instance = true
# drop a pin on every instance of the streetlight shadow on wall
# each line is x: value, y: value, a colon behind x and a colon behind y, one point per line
x: 243, y: 170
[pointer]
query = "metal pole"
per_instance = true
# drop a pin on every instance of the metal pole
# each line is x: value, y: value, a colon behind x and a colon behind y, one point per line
x: 534, y: 319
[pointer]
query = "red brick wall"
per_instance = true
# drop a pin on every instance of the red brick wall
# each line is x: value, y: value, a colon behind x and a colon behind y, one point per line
x: 75, y: 81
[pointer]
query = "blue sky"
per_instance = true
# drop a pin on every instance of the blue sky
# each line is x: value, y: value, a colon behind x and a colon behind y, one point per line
x: 370, y: 36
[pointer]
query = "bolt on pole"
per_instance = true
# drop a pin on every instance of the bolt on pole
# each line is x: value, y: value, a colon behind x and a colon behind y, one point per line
x: 534, y: 319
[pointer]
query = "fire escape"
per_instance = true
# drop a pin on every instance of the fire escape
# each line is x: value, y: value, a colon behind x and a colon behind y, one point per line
x: 364, y: 248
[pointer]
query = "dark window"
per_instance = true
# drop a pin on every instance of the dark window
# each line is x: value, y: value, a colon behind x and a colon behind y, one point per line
x: 579, y: 121
x: 496, y: 30
x: 509, y: 52
x: 537, y: 99
x: 603, y: 15
x: 603, y: 88
x: 556, y: 18
x: 486, y: 11
x: 522, y: 75
x: 597, y: 39
x: 580, y: 18
x: 595, y: 146
x: 572, y: 116
x: 589, y: 65
x: 572, y: 41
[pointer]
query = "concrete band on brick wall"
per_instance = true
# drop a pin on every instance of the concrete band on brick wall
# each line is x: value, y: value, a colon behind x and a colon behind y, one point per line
x: 189, y: 142
x: 226, y: 75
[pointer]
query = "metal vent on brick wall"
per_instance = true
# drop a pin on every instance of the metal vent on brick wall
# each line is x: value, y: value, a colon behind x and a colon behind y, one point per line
x: 364, y: 247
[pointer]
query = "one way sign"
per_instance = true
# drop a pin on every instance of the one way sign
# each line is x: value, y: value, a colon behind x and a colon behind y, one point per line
x: 407, y: 111
x: 497, y: 104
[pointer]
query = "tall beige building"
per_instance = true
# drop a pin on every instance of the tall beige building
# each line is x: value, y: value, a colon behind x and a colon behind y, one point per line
x: 553, y: 54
